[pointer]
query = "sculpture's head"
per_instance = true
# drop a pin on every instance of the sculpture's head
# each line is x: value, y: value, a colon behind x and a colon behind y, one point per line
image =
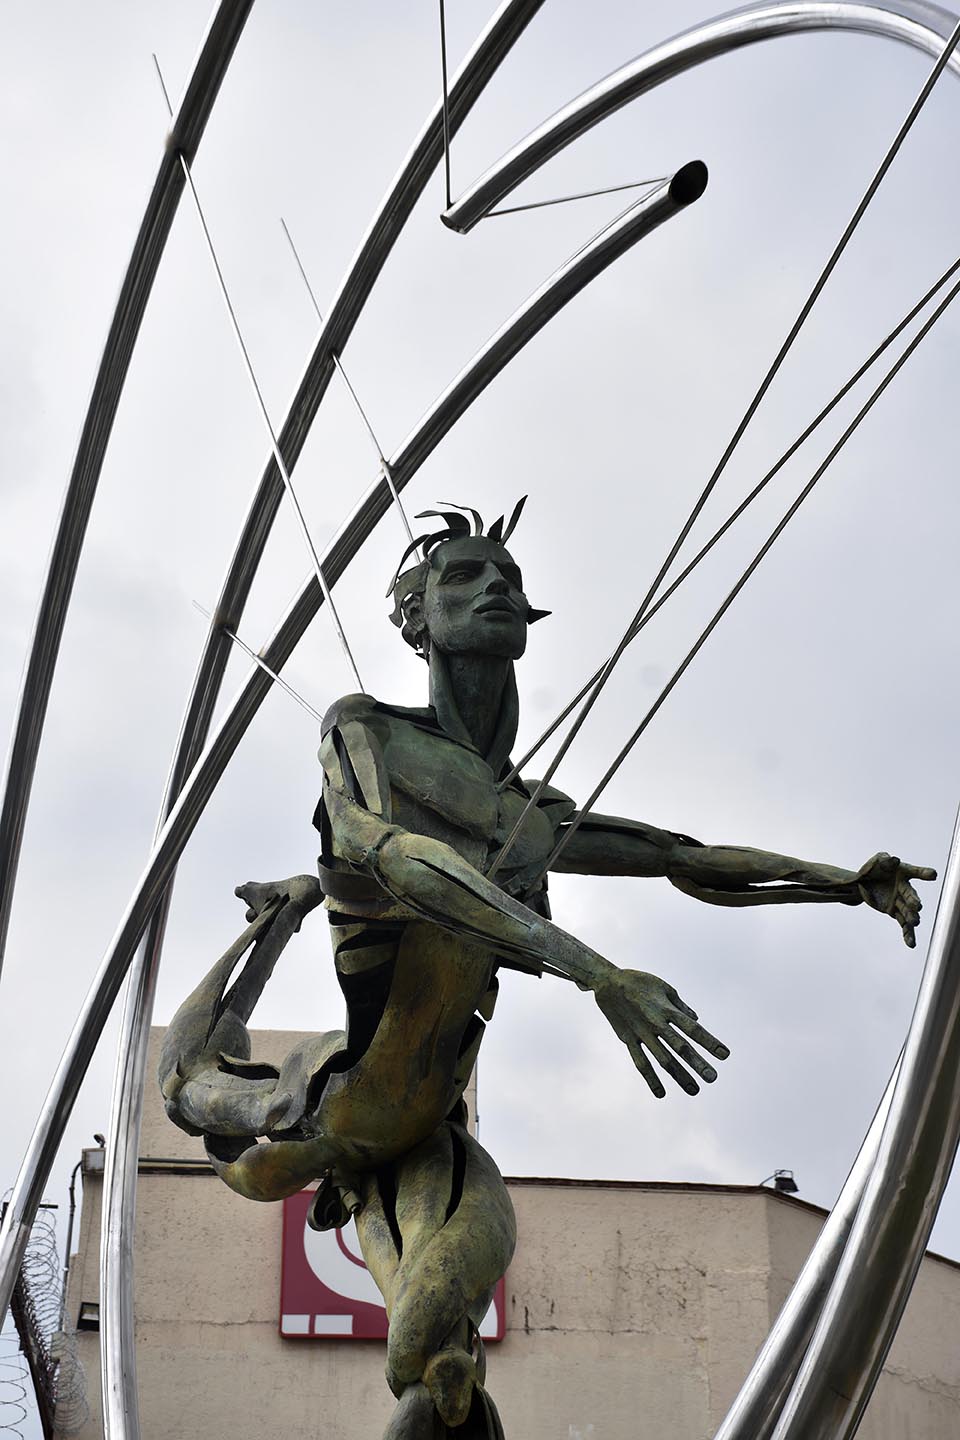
x: 466, y: 595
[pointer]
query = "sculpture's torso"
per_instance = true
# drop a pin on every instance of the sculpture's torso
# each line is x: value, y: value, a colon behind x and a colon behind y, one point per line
x: 417, y: 995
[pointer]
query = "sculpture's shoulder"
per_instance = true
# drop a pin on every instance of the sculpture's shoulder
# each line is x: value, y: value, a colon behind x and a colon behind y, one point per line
x: 382, y: 720
x: 557, y: 806
x: 436, y: 784
x: 358, y: 708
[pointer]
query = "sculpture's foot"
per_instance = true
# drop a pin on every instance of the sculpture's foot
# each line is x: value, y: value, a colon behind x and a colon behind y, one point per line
x: 417, y: 1418
x: 450, y: 1375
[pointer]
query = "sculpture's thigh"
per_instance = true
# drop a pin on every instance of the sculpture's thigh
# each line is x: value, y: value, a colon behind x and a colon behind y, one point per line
x: 437, y: 1232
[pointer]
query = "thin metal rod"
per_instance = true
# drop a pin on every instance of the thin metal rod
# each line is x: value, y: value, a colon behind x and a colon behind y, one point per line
x: 731, y: 446
x: 259, y: 660
x: 262, y: 406
x: 774, y: 535
x: 353, y: 394
x: 446, y: 104
x: 735, y: 514
x: 199, y: 783
x: 71, y: 1215
x: 754, y: 1412
x: 581, y: 195
x: 883, y: 1254
x: 911, y: 22
x: 193, y: 111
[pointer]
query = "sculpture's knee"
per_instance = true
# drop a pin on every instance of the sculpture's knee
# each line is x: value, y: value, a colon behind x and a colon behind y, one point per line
x: 445, y: 1283
x: 450, y: 1375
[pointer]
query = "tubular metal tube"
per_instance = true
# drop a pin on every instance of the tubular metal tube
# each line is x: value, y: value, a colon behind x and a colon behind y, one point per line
x: 191, y: 117
x: 120, y: 1178
x: 754, y: 1412
x: 186, y: 809
x: 915, y: 23
x: 880, y: 1262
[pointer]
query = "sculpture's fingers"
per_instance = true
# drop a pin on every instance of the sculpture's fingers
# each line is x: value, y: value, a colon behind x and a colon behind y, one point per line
x: 674, y: 999
x: 702, y: 1037
x: 668, y: 1062
x: 646, y: 1069
x: 689, y: 1056
x: 909, y: 906
x: 908, y: 922
x: 919, y: 872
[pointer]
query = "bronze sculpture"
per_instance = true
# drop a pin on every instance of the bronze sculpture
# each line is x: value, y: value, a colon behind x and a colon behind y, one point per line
x: 416, y: 804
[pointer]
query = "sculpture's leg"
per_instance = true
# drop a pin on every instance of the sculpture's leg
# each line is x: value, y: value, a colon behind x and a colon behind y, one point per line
x: 437, y: 1231
x: 210, y: 1085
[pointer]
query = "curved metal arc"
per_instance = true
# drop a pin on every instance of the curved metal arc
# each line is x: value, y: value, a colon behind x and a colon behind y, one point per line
x: 491, y: 48
x: 186, y: 810
x: 880, y: 1262
x: 120, y: 1409
x: 912, y: 22
x: 193, y: 111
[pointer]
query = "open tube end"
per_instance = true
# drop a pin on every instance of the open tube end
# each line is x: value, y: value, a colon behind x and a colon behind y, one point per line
x: 689, y: 183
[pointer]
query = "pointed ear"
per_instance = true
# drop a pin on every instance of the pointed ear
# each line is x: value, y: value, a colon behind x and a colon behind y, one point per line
x: 534, y: 615
x: 413, y: 614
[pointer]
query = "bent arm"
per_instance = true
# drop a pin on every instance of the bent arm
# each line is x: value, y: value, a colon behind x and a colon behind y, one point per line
x: 719, y: 874
x: 433, y: 880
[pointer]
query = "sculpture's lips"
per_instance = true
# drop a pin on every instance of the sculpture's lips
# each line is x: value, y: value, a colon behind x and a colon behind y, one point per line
x: 499, y: 602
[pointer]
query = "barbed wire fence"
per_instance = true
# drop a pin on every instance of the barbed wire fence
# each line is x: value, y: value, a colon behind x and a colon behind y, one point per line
x: 41, y: 1351
x: 13, y: 1383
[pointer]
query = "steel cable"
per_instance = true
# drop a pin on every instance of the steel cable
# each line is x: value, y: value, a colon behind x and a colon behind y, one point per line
x: 778, y: 529
x: 735, y: 514
x: 732, y: 444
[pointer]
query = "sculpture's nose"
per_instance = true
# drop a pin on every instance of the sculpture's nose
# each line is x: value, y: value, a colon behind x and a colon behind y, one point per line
x: 497, y: 586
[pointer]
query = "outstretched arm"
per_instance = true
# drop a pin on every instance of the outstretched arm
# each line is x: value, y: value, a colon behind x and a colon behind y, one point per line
x: 736, y: 875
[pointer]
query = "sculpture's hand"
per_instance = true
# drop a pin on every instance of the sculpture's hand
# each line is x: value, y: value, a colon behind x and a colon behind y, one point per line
x: 303, y: 890
x: 884, y: 884
x: 648, y: 1015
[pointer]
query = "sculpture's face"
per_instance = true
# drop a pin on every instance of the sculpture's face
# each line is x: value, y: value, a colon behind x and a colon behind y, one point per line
x: 474, y: 603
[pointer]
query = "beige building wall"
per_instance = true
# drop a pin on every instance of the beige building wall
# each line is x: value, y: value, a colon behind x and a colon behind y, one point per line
x: 631, y: 1309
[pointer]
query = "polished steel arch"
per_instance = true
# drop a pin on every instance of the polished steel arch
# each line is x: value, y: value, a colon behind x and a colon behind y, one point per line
x: 118, y: 1352
x: 198, y: 767
x: 911, y: 22
x: 187, y: 127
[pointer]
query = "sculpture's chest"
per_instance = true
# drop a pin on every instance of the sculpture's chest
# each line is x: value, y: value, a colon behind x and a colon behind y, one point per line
x: 443, y: 789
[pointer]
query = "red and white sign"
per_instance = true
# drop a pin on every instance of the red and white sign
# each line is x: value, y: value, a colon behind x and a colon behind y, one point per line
x: 326, y: 1291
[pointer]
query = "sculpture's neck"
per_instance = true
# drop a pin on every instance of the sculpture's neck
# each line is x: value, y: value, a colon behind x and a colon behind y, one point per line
x: 475, y: 697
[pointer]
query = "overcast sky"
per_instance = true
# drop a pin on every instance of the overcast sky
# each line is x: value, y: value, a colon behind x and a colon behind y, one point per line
x: 821, y: 718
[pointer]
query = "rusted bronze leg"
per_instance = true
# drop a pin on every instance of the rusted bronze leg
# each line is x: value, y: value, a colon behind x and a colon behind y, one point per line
x: 437, y: 1231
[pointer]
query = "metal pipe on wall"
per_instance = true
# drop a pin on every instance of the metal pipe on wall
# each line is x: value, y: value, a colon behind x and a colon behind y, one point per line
x: 492, y: 357
x: 913, y: 22
x: 880, y: 1262
x: 192, y: 114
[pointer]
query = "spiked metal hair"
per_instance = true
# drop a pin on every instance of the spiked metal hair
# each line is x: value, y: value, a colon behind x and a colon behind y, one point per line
x: 406, y: 583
